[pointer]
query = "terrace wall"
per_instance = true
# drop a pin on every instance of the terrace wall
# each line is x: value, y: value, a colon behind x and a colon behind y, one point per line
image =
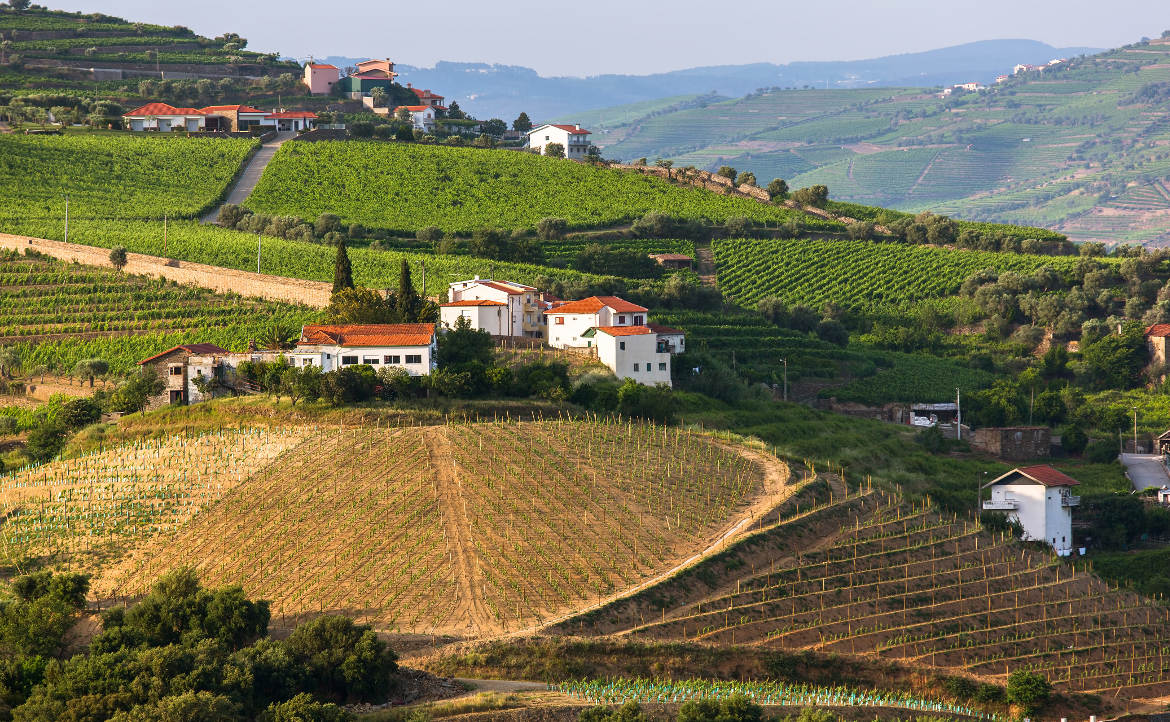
x: 224, y: 280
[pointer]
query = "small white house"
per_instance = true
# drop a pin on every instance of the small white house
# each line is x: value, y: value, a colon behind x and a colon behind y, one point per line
x: 573, y: 138
x: 633, y: 352
x: 410, y: 346
x: 673, y: 339
x: 422, y: 116
x: 568, y: 322
x: 163, y: 117
x: 483, y: 315
x: 1040, y: 499
x: 522, y: 313
x: 1164, y: 495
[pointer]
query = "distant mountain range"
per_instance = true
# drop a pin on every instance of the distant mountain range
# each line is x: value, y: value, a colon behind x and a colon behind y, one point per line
x: 488, y: 90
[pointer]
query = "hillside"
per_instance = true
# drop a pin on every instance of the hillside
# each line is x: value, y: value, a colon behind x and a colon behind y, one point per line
x: 457, y: 529
x: 865, y: 574
x: 1076, y: 148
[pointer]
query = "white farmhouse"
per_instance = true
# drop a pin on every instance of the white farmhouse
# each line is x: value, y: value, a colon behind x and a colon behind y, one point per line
x: 483, y: 315
x: 568, y: 322
x: 1040, y: 499
x: 421, y: 116
x: 573, y: 138
x: 633, y: 352
x: 409, y: 346
x: 520, y: 311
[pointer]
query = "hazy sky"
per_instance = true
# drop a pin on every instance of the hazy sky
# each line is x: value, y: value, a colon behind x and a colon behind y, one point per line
x: 641, y: 36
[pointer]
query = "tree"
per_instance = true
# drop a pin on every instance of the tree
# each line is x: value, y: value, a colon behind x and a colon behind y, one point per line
x: 747, y: 178
x: 409, y: 305
x: 495, y: 127
x: 465, y: 345
x: 522, y: 124
x: 327, y: 223
x: 343, y: 661
x: 78, y: 413
x: 9, y: 360
x: 815, y: 196
x: 361, y: 305
x: 90, y: 369
x: 378, y: 96
x: 19, y: 4
x: 402, y: 115
x: 45, y: 441
x: 342, y: 270
x: 302, y: 382
x: 133, y: 395
x: 554, y: 150
x: 665, y: 164
x: 118, y: 257
x: 454, y: 112
x: 1029, y: 690
x: 551, y: 229
x: 303, y: 708
x: 727, y: 172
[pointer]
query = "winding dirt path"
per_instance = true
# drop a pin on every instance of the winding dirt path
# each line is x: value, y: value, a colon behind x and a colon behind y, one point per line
x: 457, y: 528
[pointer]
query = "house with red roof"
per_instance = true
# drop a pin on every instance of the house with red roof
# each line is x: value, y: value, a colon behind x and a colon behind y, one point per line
x: 573, y: 138
x: 321, y: 77
x: 329, y: 347
x: 1156, y: 336
x: 632, y: 352
x: 422, y: 116
x: 426, y: 97
x: 1040, y: 499
x: 369, y: 74
x: 502, y: 308
x: 621, y: 335
x: 163, y: 117
x: 568, y: 322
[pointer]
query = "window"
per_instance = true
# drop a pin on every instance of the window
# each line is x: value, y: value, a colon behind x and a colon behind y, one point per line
x: 661, y: 367
x: 638, y: 320
x: 371, y: 360
x: 560, y: 321
x: 635, y: 367
x: 391, y: 359
x: 621, y: 320
x: 413, y: 358
x: 176, y: 370
x: 306, y: 362
x: 348, y: 360
x: 622, y: 346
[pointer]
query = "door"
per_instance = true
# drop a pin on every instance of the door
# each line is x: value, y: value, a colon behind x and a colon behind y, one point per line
x: 135, y: 125
x: 192, y: 124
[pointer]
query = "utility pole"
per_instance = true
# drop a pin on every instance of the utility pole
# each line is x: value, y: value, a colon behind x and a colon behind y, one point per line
x: 66, y: 217
x: 257, y: 253
x: 164, y: 234
x: 785, y: 360
x: 958, y: 416
x: 1135, y: 446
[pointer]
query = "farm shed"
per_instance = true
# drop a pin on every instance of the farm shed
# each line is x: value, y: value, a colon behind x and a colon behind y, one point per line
x: 172, y: 367
x: 674, y: 261
x: 1015, y: 443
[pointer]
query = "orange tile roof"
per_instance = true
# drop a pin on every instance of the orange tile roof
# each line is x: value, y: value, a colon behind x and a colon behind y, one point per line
x: 322, y: 65
x: 664, y: 330
x: 293, y: 114
x: 413, y: 108
x: 201, y: 348
x: 162, y: 109
x: 237, y: 108
x: 1041, y: 473
x: 593, y: 304
x: 1158, y: 330
x: 625, y: 330
x: 369, y: 334
x: 426, y: 93
x: 571, y: 129
x: 474, y: 302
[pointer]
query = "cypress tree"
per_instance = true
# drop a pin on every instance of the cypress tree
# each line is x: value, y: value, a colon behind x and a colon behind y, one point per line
x: 407, y: 301
x: 342, y: 270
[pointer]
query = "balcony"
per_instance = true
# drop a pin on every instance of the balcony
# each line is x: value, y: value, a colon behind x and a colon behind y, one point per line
x: 1070, y: 501
x: 1000, y: 505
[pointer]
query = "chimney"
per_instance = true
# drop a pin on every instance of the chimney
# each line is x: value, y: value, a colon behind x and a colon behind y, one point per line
x: 409, y: 85
x: 578, y: 126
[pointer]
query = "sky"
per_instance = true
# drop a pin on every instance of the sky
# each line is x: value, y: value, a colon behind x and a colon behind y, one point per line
x: 639, y: 37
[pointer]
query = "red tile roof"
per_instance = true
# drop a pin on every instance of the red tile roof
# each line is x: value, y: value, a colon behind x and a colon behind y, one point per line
x: 162, y: 109
x: 474, y: 302
x: 1158, y: 330
x: 516, y: 290
x: 236, y: 108
x: 1042, y: 474
x: 324, y: 66
x: 664, y: 330
x: 571, y: 129
x: 293, y: 114
x: 625, y: 330
x: 593, y: 304
x: 413, y: 108
x: 426, y: 93
x: 194, y: 348
x: 369, y: 334
x: 670, y: 257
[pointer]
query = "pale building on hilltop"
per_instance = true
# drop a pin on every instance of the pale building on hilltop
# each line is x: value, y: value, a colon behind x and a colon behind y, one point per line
x: 422, y: 117
x: 409, y: 346
x: 520, y: 309
x: 573, y: 138
x: 1040, y: 499
x: 321, y: 77
x: 1156, y: 342
x: 235, y: 118
x: 633, y: 352
x: 568, y: 322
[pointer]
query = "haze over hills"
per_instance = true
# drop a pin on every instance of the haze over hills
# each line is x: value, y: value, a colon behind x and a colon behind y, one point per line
x: 488, y: 90
x: 1077, y: 147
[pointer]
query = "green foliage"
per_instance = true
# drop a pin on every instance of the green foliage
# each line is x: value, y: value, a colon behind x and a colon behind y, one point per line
x: 734, y: 709
x: 464, y: 345
x: 1029, y: 690
x: 118, y: 258
x: 461, y: 190
x: 628, y: 712
x: 132, y: 395
x: 115, y: 176
x: 303, y: 708
x: 654, y: 403
x: 76, y: 413
x: 342, y: 269
x: 46, y: 607
x: 347, y: 662
x: 45, y: 441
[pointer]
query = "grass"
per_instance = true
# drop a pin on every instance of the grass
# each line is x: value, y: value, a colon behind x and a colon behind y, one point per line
x: 482, y: 702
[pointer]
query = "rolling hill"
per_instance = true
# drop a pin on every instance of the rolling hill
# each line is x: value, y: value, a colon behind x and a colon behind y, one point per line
x: 1078, y: 147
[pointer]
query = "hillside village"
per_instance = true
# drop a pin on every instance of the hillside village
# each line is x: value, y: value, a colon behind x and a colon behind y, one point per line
x: 321, y: 399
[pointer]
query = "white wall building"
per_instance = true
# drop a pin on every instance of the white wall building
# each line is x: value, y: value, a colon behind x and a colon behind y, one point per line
x: 422, y: 116
x: 522, y: 316
x: 573, y: 138
x: 568, y: 322
x: 410, y: 346
x: 1040, y: 499
x: 633, y: 352
x: 483, y: 315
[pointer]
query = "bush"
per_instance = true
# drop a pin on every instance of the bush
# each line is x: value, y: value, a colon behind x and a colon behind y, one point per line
x: 430, y: 234
x: 118, y: 258
x: 345, y: 662
x: 45, y: 441
x: 77, y: 413
x: 1028, y: 690
x: 303, y: 708
x: 1101, y: 451
x: 551, y: 229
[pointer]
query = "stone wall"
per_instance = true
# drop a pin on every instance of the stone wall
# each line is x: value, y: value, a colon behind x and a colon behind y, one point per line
x: 1015, y: 443
x: 224, y: 280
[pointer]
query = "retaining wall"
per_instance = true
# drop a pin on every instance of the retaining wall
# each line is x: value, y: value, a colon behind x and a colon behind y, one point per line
x: 225, y: 280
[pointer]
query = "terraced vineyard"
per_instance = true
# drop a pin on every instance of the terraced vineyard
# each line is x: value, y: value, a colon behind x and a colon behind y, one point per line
x: 57, y: 313
x: 856, y: 274
x: 462, y: 529
x: 463, y: 189
x: 868, y: 574
x: 115, y: 176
